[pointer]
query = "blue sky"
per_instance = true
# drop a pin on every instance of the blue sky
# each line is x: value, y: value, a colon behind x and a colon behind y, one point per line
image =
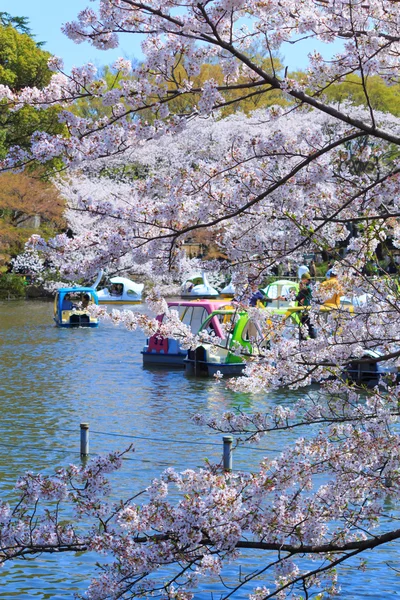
x: 47, y: 16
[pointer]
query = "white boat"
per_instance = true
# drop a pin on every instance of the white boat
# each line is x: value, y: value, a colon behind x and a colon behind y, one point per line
x: 121, y: 291
x: 354, y: 300
x: 228, y: 291
x: 197, y: 286
x: 278, y: 289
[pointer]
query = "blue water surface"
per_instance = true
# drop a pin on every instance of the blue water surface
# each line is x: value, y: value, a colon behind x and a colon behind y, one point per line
x: 52, y: 379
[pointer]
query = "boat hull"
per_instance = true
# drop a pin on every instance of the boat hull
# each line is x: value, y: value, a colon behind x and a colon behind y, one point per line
x: 167, y: 360
x: 120, y: 301
x: 75, y: 325
x: 206, y: 369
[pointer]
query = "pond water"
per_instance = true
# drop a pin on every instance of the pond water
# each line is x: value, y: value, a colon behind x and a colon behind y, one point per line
x: 52, y: 379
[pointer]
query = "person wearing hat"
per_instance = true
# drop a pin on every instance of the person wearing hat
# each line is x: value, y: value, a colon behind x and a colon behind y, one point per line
x: 332, y: 284
x: 304, y: 298
x: 301, y: 270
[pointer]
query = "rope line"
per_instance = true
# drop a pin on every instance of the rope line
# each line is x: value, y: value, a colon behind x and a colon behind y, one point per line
x: 169, y: 440
x: 151, y: 439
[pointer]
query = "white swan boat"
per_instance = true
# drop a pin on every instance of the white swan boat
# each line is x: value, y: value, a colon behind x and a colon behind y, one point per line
x: 121, y: 291
x: 197, y: 286
x: 228, y: 291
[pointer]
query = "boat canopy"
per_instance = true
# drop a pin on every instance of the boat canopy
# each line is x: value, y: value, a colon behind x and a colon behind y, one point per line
x: 128, y: 284
x: 281, y: 287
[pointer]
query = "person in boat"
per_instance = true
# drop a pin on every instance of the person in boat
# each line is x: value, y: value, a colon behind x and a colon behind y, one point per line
x: 116, y: 289
x: 332, y: 285
x: 256, y: 297
x: 85, y: 301
x: 301, y: 270
x: 67, y: 302
x: 304, y: 295
x: 259, y: 298
x: 304, y: 299
x: 330, y: 267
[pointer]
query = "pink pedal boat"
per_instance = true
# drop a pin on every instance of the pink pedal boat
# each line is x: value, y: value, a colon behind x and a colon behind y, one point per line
x: 166, y: 351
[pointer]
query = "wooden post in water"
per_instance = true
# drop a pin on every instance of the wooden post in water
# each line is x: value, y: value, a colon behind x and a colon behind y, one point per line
x: 84, y: 439
x: 227, y: 455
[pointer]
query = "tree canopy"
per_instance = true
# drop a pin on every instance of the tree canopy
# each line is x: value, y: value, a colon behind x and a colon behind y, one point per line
x: 376, y: 91
x: 22, y: 65
x: 22, y: 62
x: 22, y: 197
x: 19, y: 23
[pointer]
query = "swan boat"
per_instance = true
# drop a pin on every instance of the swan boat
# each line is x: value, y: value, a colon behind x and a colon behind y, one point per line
x: 198, y: 286
x: 121, y: 291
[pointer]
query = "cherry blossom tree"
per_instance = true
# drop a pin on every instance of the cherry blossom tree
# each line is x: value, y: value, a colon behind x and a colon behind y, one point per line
x: 271, y: 186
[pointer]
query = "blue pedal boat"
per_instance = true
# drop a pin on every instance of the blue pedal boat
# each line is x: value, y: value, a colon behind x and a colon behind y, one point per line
x: 71, y: 307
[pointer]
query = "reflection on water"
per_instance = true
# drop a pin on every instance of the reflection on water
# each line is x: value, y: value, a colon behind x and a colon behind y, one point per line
x: 53, y: 379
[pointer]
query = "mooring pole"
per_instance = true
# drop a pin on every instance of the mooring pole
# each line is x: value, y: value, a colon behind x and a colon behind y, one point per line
x: 84, y: 439
x: 227, y: 454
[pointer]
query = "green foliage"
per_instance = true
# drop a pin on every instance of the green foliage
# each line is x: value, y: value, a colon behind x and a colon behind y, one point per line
x: 129, y: 172
x: 13, y: 239
x: 237, y: 99
x: 381, y: 96
x: 19, y: 23
x: 23, y: 64
x: 265, y: 96
x: 16, y: 128
x: 12, y: 286
x: 321, y: 269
